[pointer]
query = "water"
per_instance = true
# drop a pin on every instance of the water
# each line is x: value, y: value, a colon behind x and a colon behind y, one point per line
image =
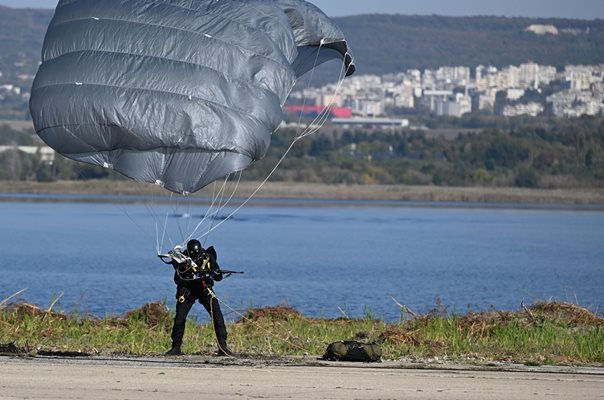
x: 316, y: 259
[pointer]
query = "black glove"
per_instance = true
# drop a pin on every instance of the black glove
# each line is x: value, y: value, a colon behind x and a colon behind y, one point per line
x: 217, y: 275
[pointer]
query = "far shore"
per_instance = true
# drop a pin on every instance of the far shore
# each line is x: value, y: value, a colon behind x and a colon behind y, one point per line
x: 312, y: 191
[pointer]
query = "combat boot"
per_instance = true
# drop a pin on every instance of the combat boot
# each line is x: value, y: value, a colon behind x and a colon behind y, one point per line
x: 224, y: 351
x: 174, y: 351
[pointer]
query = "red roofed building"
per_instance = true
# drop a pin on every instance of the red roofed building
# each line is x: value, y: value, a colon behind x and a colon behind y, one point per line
x: 313, y: 111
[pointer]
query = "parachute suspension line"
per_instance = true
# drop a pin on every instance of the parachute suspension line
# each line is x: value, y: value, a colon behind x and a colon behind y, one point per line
x: 240, y: 173
x: 218, y: 208
x: 156, y: 221
x: 187, y: 215
x: 209, y: 209
x: 163, y: 236
x: 235, y: 211
x: 298, y: 137
x: 212, y: 297
x: 178, y: 224
x: 226, y: 203
x: 121, y: 207
x: 322, y: 116
x: 312, y: 128
x: 320, y: 119
x: 170, y: 239
x: 308, y: 83
x: 203, y: 218
x: 208, y: 212
x: 268, y: 332
x: 155, y: 214
x: 145, y: 232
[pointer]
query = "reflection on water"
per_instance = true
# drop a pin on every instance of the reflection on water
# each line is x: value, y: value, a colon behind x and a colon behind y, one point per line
x: 102, y: 256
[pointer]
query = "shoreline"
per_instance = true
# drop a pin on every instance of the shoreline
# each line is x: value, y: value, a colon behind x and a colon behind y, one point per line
x: 310, y: 194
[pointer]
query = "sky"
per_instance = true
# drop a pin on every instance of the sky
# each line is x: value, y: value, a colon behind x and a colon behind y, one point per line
x: 583, y: 9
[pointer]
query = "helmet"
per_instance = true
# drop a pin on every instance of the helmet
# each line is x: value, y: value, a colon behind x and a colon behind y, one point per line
x: 194, y: 248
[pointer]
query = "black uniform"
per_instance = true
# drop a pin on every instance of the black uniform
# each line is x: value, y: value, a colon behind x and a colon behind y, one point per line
x: 196, y: 284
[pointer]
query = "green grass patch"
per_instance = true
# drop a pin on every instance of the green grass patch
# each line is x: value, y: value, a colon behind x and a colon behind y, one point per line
x: 545, y: 333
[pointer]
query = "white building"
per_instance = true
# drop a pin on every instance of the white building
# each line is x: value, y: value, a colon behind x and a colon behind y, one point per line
x: 10, y: 89
x: 484, y: 100
x: 532, y: 109
x: 581, y: 77
x: 486, y: 77
x: 332, y: 99
x: 430, y: 98
x: 45, y: 153
x: 404, y: 97
x: 542, y: 29
x: 514, y: 94
x: 370, y: 122
x: 570, y: 103
x: 454, y: 106
x: 366, y: 107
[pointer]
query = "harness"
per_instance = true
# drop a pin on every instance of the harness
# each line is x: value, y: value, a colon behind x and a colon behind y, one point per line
x: 188, y: 271
x: 191, y: 271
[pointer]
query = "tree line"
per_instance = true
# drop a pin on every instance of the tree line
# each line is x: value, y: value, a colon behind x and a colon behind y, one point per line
x: 514, y: 152
x: 534, y: 153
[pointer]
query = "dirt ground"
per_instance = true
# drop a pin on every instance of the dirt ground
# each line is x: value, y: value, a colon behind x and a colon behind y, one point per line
x: 213, y: 378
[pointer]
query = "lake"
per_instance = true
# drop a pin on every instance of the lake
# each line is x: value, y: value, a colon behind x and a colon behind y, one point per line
x: 344, y: 258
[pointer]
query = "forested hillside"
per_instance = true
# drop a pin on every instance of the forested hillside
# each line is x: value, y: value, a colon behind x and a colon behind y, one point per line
x: 21, y: 34
x: 391, y: 43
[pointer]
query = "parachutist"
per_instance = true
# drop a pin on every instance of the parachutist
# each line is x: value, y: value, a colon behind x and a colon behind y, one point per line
x: 195, y: 271
x: 178, y: 116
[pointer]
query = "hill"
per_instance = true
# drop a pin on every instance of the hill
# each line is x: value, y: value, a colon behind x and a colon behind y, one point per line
x: 390, y: 43
x: 21, y: 35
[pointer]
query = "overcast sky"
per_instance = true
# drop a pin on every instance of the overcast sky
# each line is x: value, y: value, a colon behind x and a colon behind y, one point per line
x: 585, y: 9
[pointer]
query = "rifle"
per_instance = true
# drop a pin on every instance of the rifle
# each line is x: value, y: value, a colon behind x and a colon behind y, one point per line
x: 226, y: 273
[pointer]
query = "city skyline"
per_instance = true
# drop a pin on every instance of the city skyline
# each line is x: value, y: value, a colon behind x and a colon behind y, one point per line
x: 454, y: 91
x: 580, y: 9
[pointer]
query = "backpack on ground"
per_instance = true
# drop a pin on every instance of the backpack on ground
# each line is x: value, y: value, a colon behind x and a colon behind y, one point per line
x: 353, y: 351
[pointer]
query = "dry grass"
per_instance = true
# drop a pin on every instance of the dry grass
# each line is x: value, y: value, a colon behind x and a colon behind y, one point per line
x: 24, y: 310
x: 152, y: 314
x: 279, y: 313
x: 291, y: 190
x: 397, y: 335
x: 550, y: 333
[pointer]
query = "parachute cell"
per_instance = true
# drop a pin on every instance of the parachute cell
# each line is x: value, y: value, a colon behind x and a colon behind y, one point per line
x: 175, y: 92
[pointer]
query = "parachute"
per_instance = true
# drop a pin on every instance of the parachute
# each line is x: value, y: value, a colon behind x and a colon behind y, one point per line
x: 177, y: 93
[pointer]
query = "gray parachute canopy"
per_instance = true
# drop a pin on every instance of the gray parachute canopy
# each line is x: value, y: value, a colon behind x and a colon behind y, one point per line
x: 175, y: 92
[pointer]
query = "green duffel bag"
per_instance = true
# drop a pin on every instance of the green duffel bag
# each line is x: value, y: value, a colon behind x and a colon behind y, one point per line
x: 351, y: 350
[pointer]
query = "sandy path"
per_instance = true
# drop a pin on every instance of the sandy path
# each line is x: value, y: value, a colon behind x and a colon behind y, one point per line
x: 67, y: 379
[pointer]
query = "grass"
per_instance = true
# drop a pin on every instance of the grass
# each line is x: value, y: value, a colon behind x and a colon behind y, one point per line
x: 545, y: 333
x: 289, y: 190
